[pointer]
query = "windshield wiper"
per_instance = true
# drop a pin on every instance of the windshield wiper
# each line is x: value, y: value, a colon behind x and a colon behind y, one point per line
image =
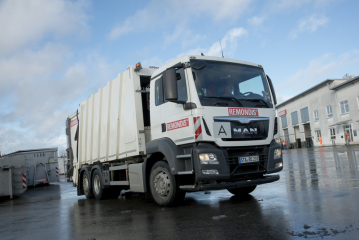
x: 255, y: 100
x: 227, y: 98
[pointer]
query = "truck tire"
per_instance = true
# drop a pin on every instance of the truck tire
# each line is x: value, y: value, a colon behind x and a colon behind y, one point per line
x: 86, y: 183
x: 242, y: 190
x: 163, y: 185
x: 97, y: 185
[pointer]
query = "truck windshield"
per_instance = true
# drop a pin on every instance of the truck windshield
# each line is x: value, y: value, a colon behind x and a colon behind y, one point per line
x: 231, y: 84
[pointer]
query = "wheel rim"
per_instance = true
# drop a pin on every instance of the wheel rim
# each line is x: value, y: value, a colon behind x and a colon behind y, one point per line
x: 96, y: 184
x: 162, y: 184
x: 85, y: 185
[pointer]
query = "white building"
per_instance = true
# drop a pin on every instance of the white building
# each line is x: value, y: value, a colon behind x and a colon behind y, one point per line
x: 62, y: 165
x: 327, y: 111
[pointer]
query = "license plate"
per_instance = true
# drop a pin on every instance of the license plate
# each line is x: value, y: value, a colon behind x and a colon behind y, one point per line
x: 248, y: 159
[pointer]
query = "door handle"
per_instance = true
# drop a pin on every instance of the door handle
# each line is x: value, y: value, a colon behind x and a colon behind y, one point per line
x: 163, y: 127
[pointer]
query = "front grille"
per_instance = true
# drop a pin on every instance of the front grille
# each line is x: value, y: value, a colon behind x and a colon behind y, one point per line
x: 239, y: 169
x: 254, y: 130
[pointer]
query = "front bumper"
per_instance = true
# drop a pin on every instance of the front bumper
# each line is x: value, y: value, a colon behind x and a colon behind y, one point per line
x: 229, y: 169
x: 226, y: 185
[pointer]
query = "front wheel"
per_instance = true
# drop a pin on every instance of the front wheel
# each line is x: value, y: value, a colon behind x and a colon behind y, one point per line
x: 163, y: 186
x: 242, y: 190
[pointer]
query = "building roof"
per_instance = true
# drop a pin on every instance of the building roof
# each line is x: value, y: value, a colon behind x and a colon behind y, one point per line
x: 33, y: 150
x: 319, y: 85
x: 350, y: 81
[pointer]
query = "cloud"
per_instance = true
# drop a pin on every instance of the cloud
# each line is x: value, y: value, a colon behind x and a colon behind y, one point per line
x: 160, y: 13
x: 25, y: 22
x: 256, y: 21
x: 229, y: 43
x: 309, y: 24
x: 46, y: 90
x: 183, y: 33
x: 281, y: 98
x: 318, y: 70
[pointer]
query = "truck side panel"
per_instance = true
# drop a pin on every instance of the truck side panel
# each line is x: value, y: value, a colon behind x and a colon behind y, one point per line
x: 110, y: 121
x: 104, y: 121
x: 128, y: 137
x: 115, y: 99
x: 89, y: 128
x: 96, y: 126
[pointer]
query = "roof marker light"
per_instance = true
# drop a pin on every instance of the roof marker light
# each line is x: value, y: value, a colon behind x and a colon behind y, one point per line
x: 138, y: 67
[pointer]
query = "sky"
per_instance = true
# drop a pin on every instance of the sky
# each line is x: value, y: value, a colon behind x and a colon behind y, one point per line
x: 55, y: 53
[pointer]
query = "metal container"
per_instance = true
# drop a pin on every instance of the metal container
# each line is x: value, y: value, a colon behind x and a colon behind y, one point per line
x: 12, y: 176
x: 41, y: 165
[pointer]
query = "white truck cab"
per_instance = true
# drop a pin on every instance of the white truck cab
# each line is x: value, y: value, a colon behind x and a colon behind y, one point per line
x: 196, y: 123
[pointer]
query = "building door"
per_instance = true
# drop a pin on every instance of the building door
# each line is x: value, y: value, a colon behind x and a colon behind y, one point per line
x: 308, y: 135
x: 318, y: 135
x: 348, y: 133
x: 332, y: 135
x: 286, y: 136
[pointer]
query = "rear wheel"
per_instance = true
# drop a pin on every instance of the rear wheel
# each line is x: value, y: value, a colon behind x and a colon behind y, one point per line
x: 242, y: 190
x: 97, y: 185
x: 86, y: 185
x: 163, y: 186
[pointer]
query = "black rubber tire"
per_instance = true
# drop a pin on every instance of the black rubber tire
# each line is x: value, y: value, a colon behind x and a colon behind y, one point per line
x: 242, y: 190
x: 171, y: 194
x: 87, y: 189
x: 97, y: 185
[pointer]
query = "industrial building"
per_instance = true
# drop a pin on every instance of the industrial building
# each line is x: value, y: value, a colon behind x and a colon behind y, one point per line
x: 41, y: 165
x: 323, y: 115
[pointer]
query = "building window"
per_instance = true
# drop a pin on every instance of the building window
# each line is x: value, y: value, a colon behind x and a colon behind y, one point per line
x: 329, y: 111
x: 316, y: 115
x: 284, y: 121
x: 344, y: 107
x: 294, y: 116
x: 304, y: 114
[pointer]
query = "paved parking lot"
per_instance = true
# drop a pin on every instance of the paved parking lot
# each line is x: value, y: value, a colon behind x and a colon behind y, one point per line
x: 316, y: 197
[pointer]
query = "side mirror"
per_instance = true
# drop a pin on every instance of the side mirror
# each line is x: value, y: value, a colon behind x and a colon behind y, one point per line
x: 198, y: 65
x: 170, y: 85
x: 272, y: 90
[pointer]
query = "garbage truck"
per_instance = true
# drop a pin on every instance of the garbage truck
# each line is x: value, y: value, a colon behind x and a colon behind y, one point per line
x: 197, y: 123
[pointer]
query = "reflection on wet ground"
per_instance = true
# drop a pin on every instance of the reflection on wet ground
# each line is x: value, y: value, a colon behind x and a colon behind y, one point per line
x: 316, y: 197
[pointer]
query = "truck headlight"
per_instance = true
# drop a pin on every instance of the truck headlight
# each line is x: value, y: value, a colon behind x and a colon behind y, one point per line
x: 208, y: 158
x: 277, y: 165
x: 277, y: 153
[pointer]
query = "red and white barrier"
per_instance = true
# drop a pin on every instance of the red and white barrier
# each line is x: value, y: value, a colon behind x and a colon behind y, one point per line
x: 57, y: 171
x: 197, y: 128
x: 24, y: 184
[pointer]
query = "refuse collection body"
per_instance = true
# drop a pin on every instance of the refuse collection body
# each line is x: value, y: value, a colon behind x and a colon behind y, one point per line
x: 41, y: 165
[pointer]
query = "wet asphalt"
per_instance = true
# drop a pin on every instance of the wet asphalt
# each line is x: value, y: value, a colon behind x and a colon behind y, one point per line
x: 316, y: 197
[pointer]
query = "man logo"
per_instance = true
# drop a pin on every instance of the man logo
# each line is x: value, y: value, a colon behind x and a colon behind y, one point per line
x: 245, y: 131
x: 244, y: 120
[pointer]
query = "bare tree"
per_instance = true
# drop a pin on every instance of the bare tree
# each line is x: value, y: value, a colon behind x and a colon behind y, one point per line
x: 62, y: 153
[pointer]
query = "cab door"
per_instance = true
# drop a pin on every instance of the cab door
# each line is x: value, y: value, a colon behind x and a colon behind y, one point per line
x: 155, y: 108
x: 177, y: 123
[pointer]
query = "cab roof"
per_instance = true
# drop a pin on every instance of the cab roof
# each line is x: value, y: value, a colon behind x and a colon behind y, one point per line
x: 187, y: 58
